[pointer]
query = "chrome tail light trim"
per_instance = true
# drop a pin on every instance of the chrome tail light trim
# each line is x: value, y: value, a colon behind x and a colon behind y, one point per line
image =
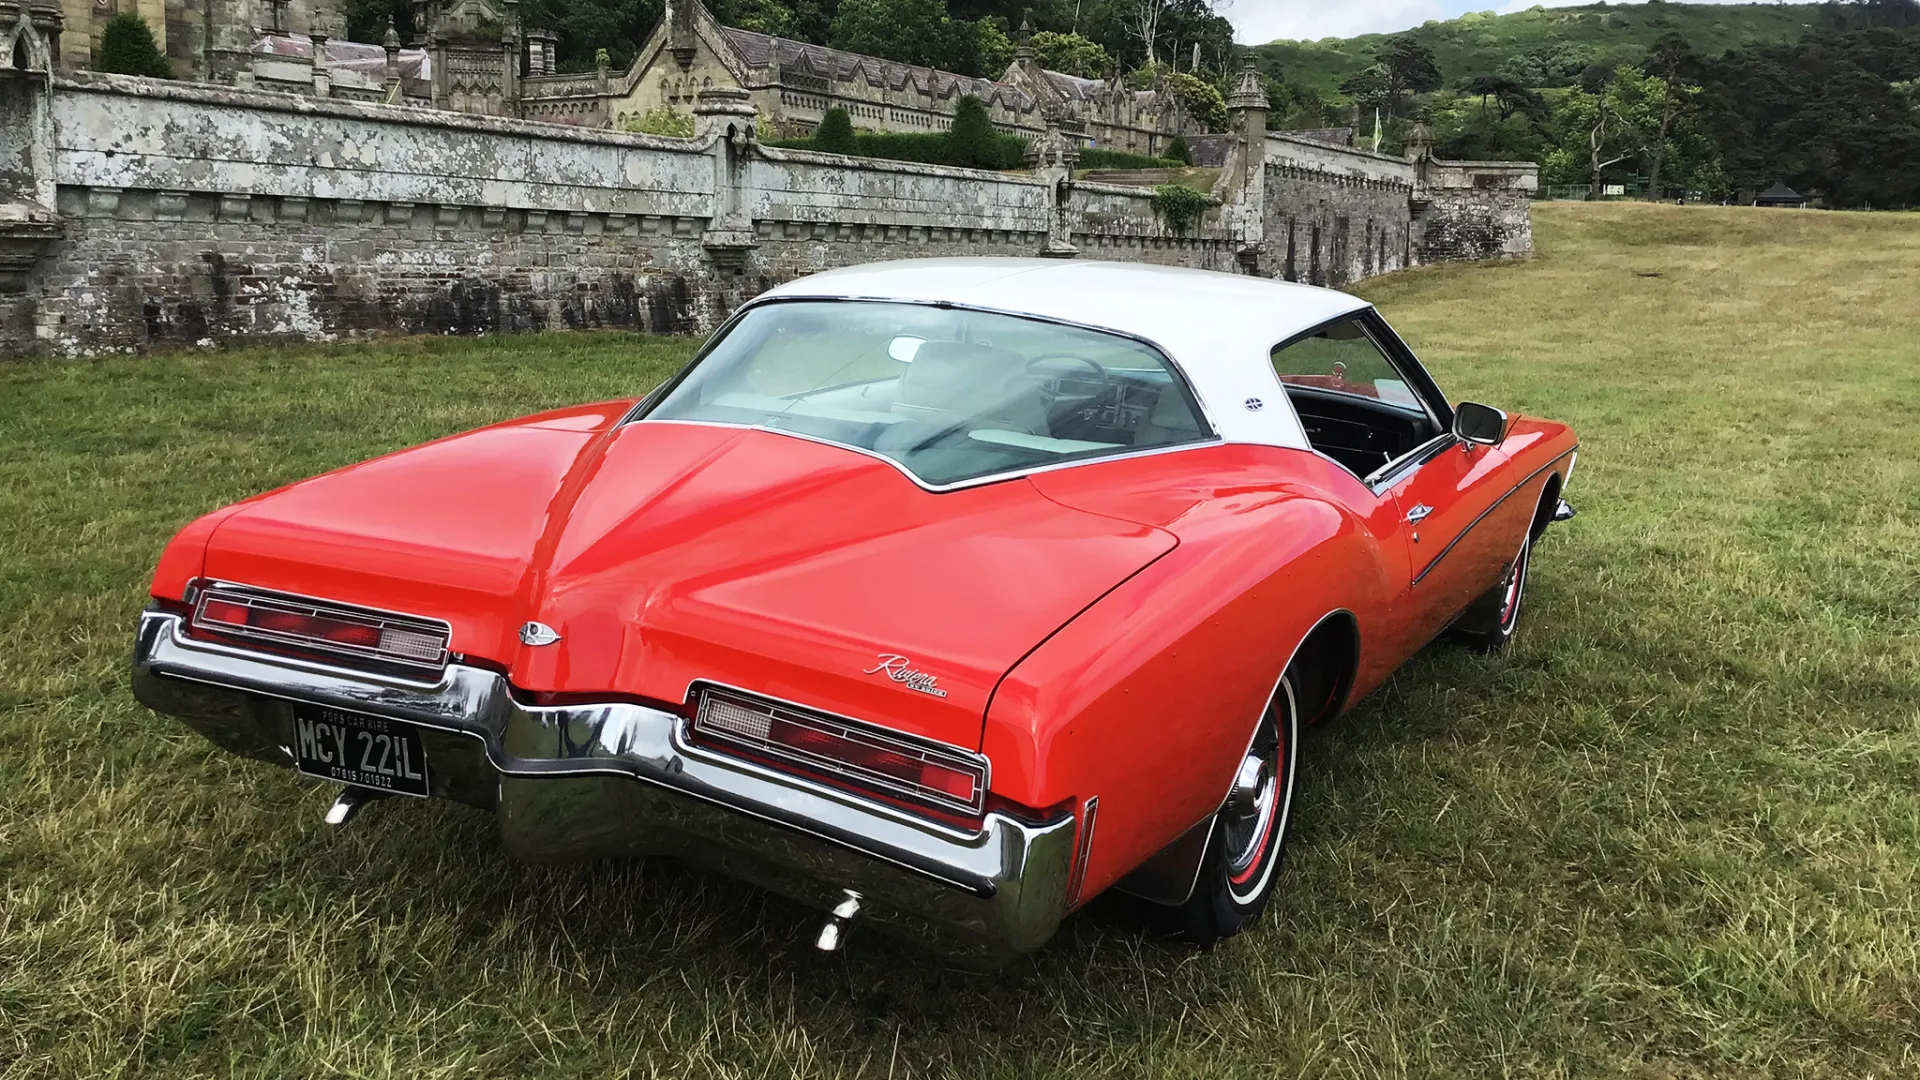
x: 410, y: 641
x: 743, y: 719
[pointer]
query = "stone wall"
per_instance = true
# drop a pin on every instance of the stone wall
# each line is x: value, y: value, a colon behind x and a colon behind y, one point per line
x: 138, y: 214
x: 1335, y: 215
x: 1475, y: 209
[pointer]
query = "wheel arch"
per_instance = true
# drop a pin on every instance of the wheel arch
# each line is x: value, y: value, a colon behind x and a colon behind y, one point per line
x: 1549, y: 499
x: 1168, y: 877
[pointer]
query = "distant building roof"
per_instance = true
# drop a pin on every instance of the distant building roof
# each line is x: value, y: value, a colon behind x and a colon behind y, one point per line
x: 1778, y: 193
x: 817, y: 60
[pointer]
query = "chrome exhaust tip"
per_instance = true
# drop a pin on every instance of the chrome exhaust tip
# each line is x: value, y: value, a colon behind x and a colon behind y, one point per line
x: 833, y: 933
x: 348, y: 803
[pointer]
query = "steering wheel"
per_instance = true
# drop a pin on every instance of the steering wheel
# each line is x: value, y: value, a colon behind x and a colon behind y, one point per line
x: 1103, y: 381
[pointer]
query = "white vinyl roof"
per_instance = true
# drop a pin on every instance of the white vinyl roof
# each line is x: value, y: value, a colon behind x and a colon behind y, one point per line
x: 1219, y: 328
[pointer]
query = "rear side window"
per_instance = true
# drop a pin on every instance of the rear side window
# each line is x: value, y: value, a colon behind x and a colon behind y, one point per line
x: 948, y: 393
x: 1342, y: 359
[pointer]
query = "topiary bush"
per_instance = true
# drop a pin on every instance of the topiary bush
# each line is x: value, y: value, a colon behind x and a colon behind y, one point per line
x: 1177, y: 151
x: 970, y: 147
x: 835, y: 133
x: 972, y: 141
x: 127, y: 48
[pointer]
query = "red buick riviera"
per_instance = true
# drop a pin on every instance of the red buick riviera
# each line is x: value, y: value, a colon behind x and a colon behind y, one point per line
x: 943, y: 595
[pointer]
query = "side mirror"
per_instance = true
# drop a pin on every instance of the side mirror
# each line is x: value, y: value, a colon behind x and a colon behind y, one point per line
x: 905, y: 347
x: 1476, y: 423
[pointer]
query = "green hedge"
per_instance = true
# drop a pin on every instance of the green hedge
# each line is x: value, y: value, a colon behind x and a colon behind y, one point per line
x: 1120, y: 159
x: 930, y: 148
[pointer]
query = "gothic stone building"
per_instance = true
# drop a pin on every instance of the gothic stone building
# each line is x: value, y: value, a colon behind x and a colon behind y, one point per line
x: 793, y: 84
x: 469, y: 55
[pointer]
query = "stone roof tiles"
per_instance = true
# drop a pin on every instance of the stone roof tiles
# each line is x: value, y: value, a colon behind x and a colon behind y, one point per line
x: 760, y: 50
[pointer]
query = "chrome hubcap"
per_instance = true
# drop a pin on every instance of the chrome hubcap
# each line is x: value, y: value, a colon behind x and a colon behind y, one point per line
x: 1249, y: 812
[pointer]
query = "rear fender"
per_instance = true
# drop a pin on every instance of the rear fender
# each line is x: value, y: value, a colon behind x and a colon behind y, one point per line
x: 1148, y: 699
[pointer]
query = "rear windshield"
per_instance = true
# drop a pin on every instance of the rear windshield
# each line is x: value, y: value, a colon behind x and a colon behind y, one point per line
x: 950, y: 394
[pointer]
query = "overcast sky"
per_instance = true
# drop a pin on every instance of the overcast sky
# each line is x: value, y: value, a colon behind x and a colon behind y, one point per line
x: 1261, y: 21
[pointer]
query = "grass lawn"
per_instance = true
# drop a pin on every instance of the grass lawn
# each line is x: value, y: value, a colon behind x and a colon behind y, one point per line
x: 1675, y: 832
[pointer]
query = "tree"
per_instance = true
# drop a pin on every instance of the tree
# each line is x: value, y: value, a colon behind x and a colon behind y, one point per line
x: 1143, y: 18
x: 766, y: 16
x: 835, y: 133
x: 972, y: 141
x: 1201, y: 99
x: 910, y: 31
x: 1409, y: 68
x: 1509, y: 96
x: 1295, y: 107
x: 127, y: 48
x: 1072, y: 54
x: 1670, y: 58
x: 1367, y: 88
x: 1548, y: 65
x: 1614, y: 125
x: 995, y: 48
x: 1177, y: 150
x: 584, y: 26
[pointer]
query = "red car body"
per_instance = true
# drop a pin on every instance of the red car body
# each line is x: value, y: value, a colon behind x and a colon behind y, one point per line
x: 1097, y: 639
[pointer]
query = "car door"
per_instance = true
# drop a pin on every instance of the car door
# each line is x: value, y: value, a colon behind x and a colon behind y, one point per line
x: 1365, y: 402
x: 1449, y: 498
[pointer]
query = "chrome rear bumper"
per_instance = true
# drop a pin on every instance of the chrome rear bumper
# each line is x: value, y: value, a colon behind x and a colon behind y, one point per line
x: 617, y: 779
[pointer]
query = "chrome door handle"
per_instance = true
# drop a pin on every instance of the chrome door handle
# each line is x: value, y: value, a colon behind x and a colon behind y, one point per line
x: 1419, y: 513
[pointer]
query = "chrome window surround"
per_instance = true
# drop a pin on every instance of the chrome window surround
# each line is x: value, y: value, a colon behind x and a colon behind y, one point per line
x: 200, y: 591
x: 1209, y: 437
x: 706, y: 693
x: 621, y: 779
x: 1419, y: 380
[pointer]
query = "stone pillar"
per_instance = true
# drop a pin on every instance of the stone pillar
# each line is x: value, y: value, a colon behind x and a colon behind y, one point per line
x: 511, y: 46
x: 1053, y: 156
x: 683, y: 40
x: 28, y: 224
x: 318, y: 33
x: 392, y: 44
x: 26, y: 133
x: 230, y: 42
x: 48, y: 18
x: 1243, y: 184
x: 1420, y: 205
x: 724, y: 117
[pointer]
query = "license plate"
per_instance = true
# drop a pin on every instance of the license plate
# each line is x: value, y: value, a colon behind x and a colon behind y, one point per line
x: 353, y: 748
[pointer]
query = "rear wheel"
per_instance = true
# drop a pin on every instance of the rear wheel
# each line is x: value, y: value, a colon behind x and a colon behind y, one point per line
x: 1249, y: 832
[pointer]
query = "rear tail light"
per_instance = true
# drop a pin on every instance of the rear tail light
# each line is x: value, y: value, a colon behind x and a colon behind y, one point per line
x: 321, y: 626
x: 893, y: 764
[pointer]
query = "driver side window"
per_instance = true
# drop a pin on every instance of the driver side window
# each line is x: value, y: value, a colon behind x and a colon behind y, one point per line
x: 1354, y: 403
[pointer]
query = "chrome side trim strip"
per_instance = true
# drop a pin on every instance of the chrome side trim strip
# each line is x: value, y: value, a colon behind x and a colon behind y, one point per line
x: 1483, y: 515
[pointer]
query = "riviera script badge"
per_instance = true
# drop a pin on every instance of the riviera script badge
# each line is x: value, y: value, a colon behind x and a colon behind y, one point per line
x: 901, y: 670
